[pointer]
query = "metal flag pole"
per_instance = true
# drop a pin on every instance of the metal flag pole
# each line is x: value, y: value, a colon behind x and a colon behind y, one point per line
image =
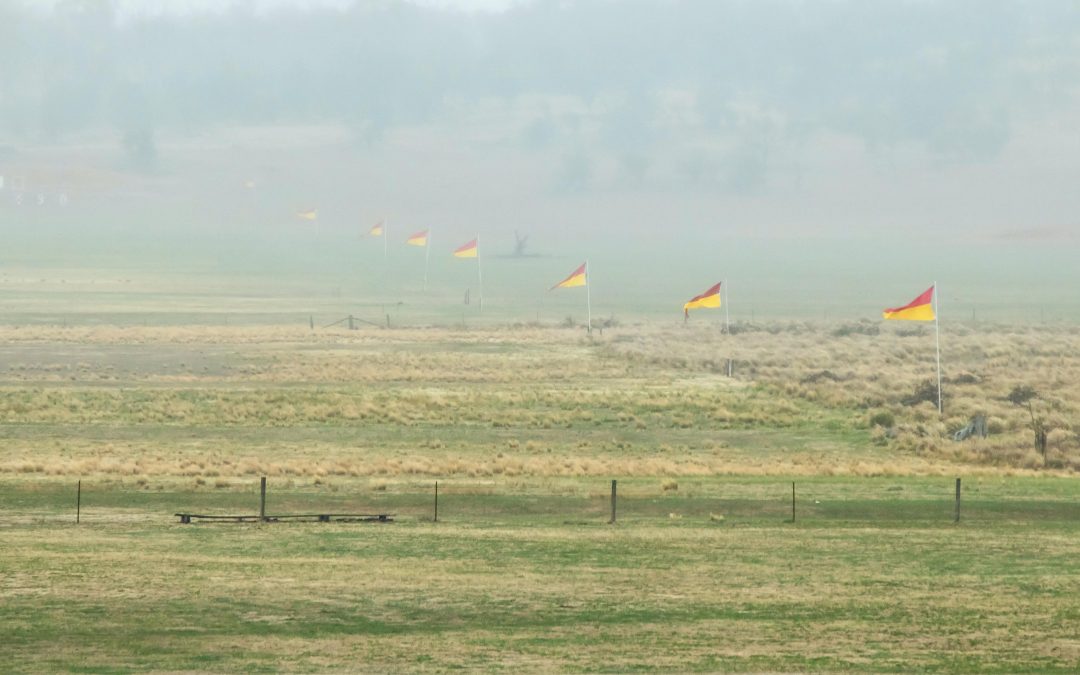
x: 479, y: 273
x: 937, y: 342
x: 588, y: 295
x: 427, y: 256
x: 727, y: 315
x: 384, y: 283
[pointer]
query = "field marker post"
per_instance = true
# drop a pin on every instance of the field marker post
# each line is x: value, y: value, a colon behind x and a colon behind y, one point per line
x: 262, y: 498
x: 614, y: 483
x: 427, y: 258
x: 479, y: 273
x: 436, y: 501
x: 793, y: 501
x: 956, y: 518
x: 937, y: 346
x: 588, y: 295
x: 727, y: 314
x: 78, y: 501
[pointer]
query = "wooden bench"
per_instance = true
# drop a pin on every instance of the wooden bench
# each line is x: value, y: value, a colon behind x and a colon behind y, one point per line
x: 188, y: 518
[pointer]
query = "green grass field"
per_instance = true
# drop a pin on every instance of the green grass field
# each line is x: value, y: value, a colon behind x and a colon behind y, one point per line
x: 872, y: 576
x: 524, y: 428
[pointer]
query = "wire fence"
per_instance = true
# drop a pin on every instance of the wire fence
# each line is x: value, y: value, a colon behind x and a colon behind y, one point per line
x: 717, y: 500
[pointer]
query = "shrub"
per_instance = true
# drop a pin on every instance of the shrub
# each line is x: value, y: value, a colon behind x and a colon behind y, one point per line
x: 883, y: 418
x: 965, y: 378
x: 813, y: 378
x: 1021, y: 394
x: 860, y: 328
x: 925, y: 391
x: 996, y: 425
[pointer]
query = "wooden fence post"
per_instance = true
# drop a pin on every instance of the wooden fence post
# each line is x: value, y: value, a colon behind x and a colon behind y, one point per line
x: 614, y: 483
x: 436, y: 501
x: 262, y: 498
x: 956, y: 518
x: 793, y: 501
x: 78, y: 501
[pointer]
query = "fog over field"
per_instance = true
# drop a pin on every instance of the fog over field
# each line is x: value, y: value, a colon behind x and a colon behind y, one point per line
x: 244, y: 429
x: 827, y: 158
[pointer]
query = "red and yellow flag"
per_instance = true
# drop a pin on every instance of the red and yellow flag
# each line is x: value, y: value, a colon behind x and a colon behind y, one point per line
x: 710, y: 298
x: 376, y: 230
x: 309, y: 214
x: 418, y: 239
x: 919, y: 309
x: 469, y: 250
x: 578, y: 277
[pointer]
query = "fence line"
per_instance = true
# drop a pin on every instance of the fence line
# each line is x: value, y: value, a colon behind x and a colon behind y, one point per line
x: 467, y: 502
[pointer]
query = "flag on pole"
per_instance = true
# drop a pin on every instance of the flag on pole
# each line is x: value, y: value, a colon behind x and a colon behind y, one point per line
x: 472, y: 250
x: 309, y: 214
x: 421, y: 238
x: 710, y: 298
x: 577, y: 278
x: 376, y: 230
x: 923, y: 308
x: 468, y: 250
x: 919, y: 309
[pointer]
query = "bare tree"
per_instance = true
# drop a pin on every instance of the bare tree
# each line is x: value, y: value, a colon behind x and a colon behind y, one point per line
x: 519, y: 244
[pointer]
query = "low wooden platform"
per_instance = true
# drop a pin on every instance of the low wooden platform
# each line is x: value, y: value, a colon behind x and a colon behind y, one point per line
x: 302, y: 517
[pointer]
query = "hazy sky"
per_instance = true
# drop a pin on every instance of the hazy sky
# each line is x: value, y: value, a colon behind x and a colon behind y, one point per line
x: 780, y: 114
x: 667, y: 124
x: 153, y: 7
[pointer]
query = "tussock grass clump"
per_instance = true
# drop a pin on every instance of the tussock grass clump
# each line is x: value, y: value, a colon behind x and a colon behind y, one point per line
x: 230, y: 404
x: 882, y: 418
x: 887, y: 371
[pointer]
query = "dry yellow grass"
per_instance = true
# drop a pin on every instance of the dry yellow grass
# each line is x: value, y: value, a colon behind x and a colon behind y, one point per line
x: 844, y: 368
x: 213, y: 402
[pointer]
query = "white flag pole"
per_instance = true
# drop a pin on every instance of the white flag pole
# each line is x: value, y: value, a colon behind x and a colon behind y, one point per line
x: 588, y: 295
x: 479, y: 273
x: 427, y: 256
x: 727, y: 315
x: 937, y: 341
x: 385, y: 254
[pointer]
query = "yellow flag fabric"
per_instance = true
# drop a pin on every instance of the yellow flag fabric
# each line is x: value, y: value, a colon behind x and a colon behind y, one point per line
x: 469, y: 250
x: 310, y: 214
x: 418, y: 239
x: 919, y: 309
x: 710, y: 298
x: 577, y: 278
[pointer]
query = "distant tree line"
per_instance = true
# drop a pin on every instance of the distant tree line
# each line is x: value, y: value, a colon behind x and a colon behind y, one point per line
x: 950, y: 74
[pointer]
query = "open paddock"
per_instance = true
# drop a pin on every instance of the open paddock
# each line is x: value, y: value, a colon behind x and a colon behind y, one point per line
x: 524, y: 428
